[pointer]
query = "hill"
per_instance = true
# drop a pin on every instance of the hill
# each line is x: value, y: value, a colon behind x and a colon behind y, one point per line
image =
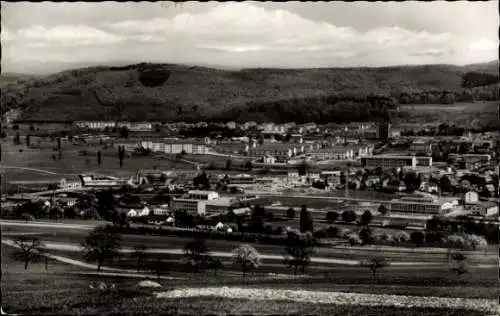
x: 172, y: 92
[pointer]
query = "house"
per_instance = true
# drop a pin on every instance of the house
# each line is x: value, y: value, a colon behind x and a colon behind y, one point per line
x: 231, y: 125
x: 278, y: 150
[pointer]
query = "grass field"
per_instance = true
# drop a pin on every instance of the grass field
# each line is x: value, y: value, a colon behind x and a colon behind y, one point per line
x: 60, y: 290
x: 72, y: 163
x: 477, y: 113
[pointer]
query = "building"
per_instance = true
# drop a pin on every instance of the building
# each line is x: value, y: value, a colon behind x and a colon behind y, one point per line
x: 190, y: 206
x: 423, y: 161
x: 384, y: 131
x: 96, y: 125
x: 64, y: 184
x: 471, y: 161
x: 136, y: 126
x: 330, y: 153
x: 230, y: 148
x: 101, y: 181
x: 176, y: 146
x: 277, y: 150
x: 423, y: 205
x: 387, y: 162
x: 421, y: 147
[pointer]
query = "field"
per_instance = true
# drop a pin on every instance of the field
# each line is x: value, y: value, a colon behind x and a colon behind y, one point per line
x: 463, y: 114
x: 62, y: 290
x: 43, y: 167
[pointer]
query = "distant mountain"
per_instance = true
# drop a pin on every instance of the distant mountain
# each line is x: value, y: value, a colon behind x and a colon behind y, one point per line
x: 170, y: 92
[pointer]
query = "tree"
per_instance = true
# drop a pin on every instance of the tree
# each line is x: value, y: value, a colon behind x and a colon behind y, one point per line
x: 299, y: 250
x: 306, y: 221
x: 349, y: 216
x: 382, y: 209
x: 196, y: 252
x: 445, y: 184
x: 376, y: 263
x: 412, y: 181
x: 366, y: 218
x: 459, y: 263
x: 246, y: 257
x: 123, y: 132
x: 28, y: 142
x: 290, y: 213
x: 332, y: 216
x: 99, y: 158
x: 215, y: 264
x: 160, y: 266
x: 229, y: 162
x: 248, y: 166
x: 365, y: 235
x: 140, y: 254
x: 417, y: 238
x: 29, y: 249
x: 121, y: 155
x: 101, y: 245
x: 17, y: 139
x: 59, y: 144
x: 69, y: 212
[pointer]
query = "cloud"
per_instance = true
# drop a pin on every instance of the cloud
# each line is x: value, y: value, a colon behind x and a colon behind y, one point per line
x: 65, y: 35
x: 246, y: 34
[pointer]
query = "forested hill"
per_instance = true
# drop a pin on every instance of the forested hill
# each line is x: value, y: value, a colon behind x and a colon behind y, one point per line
x: 174, y: 92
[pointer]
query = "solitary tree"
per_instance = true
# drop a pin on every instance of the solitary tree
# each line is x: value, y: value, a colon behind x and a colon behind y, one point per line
x: 382, y: 209
x: 349, y: 216
x: 160, y: 266
x: 299, y: 250
x: 140, y: 254
x: 100, y: 245
x: 248, y: 166
x: 59, y: 143
x: 215, y: 264
x: 17, y: 139
x: 28, y: 143
x: 417, y: 238
x: 459, y: 264
x: 121, y: 155
x: 246, y: 257
x: 306, y: 222
x: 365, y: 235
x: 366, y: 218
x: 196, y: 252
x: 99, y: 158
x: 376, y: 263
x: 290, y: 213
x: 29, y: 249
x: 228, y: 164
x: 332, y: 216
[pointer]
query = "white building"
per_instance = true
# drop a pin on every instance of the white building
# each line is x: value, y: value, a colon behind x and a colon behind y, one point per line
x: 96, y: 125
x: 389, y: 161
x: 175, y: 146
x: 70, y: 184
x: 424, y: 205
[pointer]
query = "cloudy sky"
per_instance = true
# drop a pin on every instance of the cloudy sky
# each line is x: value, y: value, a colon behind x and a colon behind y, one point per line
x: 46, y: 36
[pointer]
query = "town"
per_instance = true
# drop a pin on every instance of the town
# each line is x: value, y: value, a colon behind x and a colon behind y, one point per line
x: 366, y: 173
x: 241, y: 158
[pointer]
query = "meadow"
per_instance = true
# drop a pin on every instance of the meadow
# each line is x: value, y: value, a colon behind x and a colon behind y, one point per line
x: 63, y: 289
x: 474, y: 114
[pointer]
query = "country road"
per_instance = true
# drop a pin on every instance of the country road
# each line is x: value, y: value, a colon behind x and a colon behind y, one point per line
x: 69, y: 236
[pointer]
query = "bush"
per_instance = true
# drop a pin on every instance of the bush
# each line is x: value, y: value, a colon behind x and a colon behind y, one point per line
x: 332, y: 216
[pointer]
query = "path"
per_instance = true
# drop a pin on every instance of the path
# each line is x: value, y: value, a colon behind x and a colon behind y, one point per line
x: 77, y: 248
x: 81, y: 264
x: 36, y: 170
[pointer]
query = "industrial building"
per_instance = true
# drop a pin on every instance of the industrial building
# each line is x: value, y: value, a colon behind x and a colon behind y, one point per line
x: 389, y: 161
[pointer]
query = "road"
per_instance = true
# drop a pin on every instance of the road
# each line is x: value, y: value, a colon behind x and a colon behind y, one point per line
x: 70, y: 235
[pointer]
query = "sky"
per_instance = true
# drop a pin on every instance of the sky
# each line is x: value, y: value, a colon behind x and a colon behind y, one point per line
x: 48, y: 37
